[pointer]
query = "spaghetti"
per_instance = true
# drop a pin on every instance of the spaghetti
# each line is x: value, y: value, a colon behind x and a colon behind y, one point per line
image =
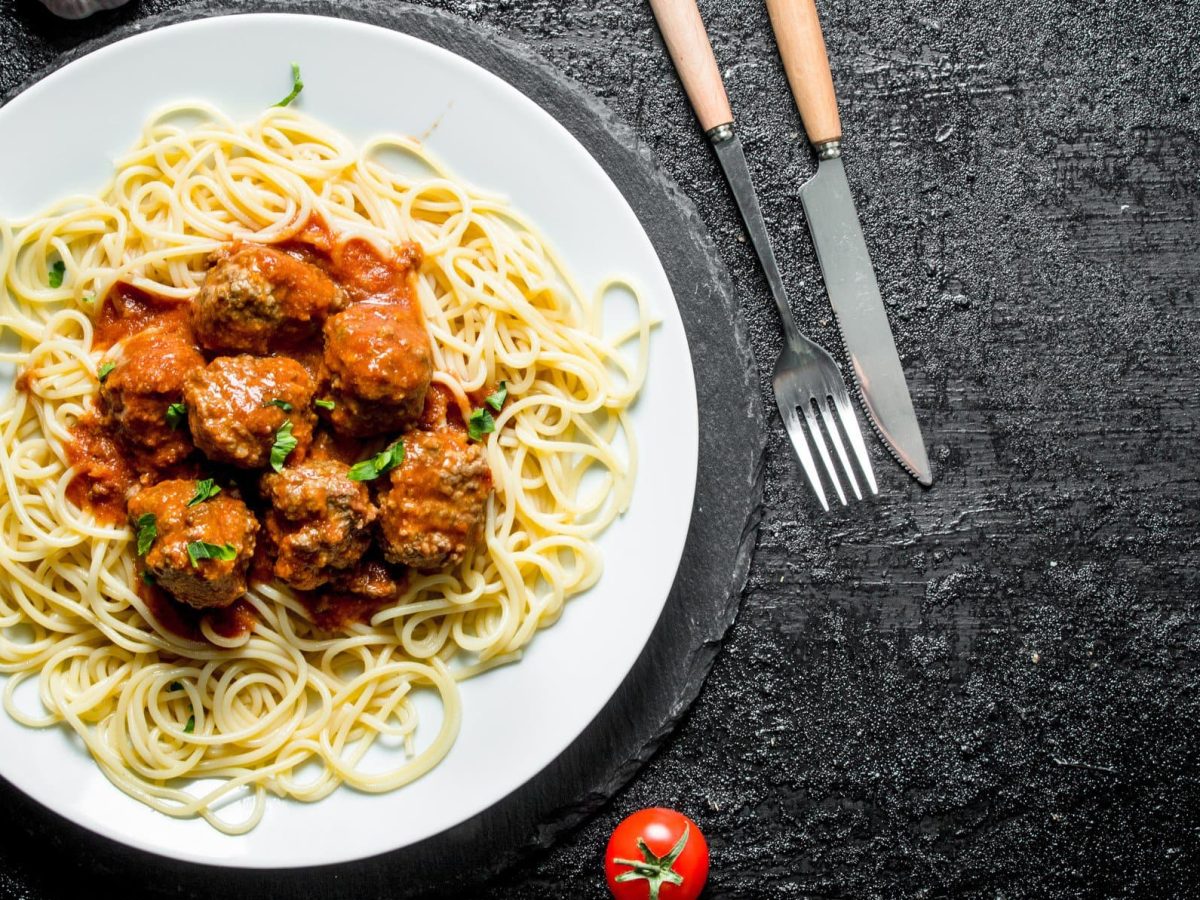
x: 287, y: 708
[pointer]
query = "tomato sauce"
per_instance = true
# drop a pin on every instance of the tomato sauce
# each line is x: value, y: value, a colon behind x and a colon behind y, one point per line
x: 105, y: 476
x: 126, y: 310
x: 183, y: 621
x: 334, y: 612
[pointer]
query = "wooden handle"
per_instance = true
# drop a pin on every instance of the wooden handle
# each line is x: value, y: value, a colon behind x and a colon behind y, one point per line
x: 798, y: 34
x: 687, y: 41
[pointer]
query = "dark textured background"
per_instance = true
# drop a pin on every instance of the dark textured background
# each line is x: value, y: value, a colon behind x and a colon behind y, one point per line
x: 988, y: 689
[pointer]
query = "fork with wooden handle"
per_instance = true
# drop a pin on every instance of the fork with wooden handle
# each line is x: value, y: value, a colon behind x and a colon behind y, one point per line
x: 807, y: 381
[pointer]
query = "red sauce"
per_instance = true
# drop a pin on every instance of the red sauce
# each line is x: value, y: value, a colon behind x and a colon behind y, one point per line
x: 334, y: 612
x: 233, y: 621
x: 105, y: 476
x: 126, y: 310
x: 174, y: 617
x: 181, y: 620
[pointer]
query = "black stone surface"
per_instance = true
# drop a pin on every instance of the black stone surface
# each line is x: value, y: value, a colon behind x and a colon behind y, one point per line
x: 989, y: 689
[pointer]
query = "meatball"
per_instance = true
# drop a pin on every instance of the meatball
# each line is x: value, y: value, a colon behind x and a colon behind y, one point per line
x: 236, y: 406
x: 371, y: 580
x: 256, y: 297
x: 319, y: 521
x: 148, y: 379
x: 380, y: 362
x: 432, y: 513
x: 177, y: 556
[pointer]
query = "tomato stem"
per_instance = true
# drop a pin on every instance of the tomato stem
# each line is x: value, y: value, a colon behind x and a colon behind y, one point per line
x: 655, y: 870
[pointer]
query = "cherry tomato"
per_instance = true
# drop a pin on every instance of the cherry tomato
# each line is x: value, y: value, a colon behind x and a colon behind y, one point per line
x: 656, y: 854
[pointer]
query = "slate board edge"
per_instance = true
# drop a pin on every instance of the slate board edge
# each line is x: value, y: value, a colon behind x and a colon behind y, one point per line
x: 616, y: 147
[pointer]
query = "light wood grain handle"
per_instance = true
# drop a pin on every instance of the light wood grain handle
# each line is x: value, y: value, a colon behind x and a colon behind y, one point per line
x: 802, y: 46
x: 687, y: 41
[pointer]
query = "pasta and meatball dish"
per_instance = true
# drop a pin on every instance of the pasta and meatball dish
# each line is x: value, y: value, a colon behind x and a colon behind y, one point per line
x: 293, y: 437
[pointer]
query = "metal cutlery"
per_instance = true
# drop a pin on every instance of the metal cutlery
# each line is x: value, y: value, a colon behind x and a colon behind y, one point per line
x: 808, y: 383
x: 837, y: 235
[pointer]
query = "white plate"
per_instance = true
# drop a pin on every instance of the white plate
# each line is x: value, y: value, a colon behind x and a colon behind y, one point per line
x: 60, y: 137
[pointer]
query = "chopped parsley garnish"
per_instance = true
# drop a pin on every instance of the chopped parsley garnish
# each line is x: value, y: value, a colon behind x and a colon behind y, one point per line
x: 176, y: 415
x: 324, y: 404
x: 190, y: 726
x: 496, y: 400
x: 55, y: 275
x: 480, y: 423
x: 385, y: 461
x: 282, y: 404
x: 147, y: 531
x: 205, y: 490
x: 148, y: 577
x: 297, y: 86
x: 198, y: 550
x: 283, y: 446
x: 105, y: 370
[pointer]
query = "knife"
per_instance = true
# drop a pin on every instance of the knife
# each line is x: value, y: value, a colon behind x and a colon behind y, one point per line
x: 837, y: 235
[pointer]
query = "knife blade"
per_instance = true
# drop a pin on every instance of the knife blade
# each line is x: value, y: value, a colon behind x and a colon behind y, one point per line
x: 854, y: 295
x: 837, y: 235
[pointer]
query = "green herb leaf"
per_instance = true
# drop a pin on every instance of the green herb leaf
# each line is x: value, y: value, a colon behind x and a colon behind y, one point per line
x: 385, y: 461
x: 148, y: 577
x: 205, y: 490
x: 55, y: 276
x: 198, y: 550
x: 284, y: 445
x: 297, y: 86
x: 174, y: 686
x: 480, y: 423
x: 324, y: 404
x: 105, y: 370
x: 282, y: 404
x: 190, y: 726
x: 496, y: 400
x: 147, y: 531
x: 176, y: 415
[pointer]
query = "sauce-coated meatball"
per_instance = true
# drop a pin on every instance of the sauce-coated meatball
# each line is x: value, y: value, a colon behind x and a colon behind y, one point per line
x: 148, y: 378
x: 257, y: 297
x: 222, y: 521
x: 236, y: 406
x: 371, y: 579
x: 380, y: 362
x: 319, y: 521
x: 432, y: 514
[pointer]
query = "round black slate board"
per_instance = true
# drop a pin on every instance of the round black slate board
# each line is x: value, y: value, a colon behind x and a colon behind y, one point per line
x: 703, y: 601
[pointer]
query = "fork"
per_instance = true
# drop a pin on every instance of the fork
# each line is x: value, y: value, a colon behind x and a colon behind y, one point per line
x: 806, y: 381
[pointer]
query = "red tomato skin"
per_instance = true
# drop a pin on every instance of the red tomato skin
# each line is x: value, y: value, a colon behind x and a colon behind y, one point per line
x: 660, y: 828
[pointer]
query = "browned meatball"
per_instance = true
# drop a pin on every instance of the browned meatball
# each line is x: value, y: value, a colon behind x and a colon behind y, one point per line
x: 433, y: 512
x: 380, y: 362
x: 319, y: 521
x: 136, y: 395
x: 185, y: 535
x: 236, y: 406
x: 371, y: 579
x: 256, y: 297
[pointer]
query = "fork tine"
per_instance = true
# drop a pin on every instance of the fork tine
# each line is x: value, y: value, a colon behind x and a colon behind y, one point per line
x: 795, y: 431
x: 854, y: 433
x: 814, y: 428
x: 831, y: 426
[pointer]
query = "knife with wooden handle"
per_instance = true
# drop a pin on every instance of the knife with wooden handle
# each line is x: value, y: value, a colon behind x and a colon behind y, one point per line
x: 837, y: 235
